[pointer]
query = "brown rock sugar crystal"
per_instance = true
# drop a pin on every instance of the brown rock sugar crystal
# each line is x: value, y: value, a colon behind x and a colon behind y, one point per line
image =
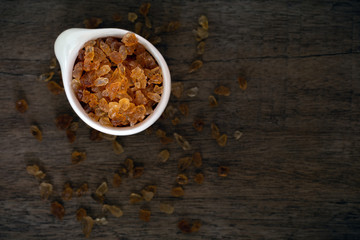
x: 117, y: 81
x: 57, y: 209
x: 21, y: 105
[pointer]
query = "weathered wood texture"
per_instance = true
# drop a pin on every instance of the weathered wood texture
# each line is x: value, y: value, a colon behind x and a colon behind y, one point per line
x: 295, y: 173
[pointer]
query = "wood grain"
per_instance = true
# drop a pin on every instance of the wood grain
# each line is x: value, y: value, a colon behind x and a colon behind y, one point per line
x: 294, y: 174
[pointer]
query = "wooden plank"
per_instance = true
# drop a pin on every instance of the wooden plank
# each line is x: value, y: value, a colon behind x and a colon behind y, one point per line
x: 294, y: 174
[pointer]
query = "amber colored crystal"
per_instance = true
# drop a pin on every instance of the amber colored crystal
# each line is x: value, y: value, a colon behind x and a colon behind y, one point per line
x: 222, y: 140
x: 164, y: 156
x: 196, y: 65
x: 223, y: 171
x: 116, y: 180
x: 55, y: 88
x: 144, y: 9
x: 80, y: 214
x: 102, y: 189
x: 114, y: 210
x: 182, y: 142
x: 77, y: 157
x: 132, y: 16
x: 184, y: 163
x: 182, y: 179
x: 63, y: 121
x: 117, y: 80
x: 82, y: 190
x: 21, y: 105
x: 92, y: 22
x: 212, y: 101
x: 198, y: 124
x: 57, y: 210
x: 145, y: 215
x: 199, y: 178
x: 177, y: 191
x: 87, y: 225
x: 215, y: 132
x: 242, y: 83
x: 166, y: 208
x: 138, y: 172
x: 222, y: 90
x: 184, y: 109
x: 203, y: 21
x: 67, y: 192
x: 35, y: 131
x: 135, y: 198
x: 46, y: 190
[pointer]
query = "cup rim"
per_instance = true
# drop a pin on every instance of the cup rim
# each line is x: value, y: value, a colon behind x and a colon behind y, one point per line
x: 75, y: 103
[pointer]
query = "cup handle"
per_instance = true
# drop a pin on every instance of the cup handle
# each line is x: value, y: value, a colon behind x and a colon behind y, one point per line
x: 67, y: 42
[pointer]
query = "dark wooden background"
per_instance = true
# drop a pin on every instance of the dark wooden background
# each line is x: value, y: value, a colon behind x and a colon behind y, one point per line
x: 294, y: 174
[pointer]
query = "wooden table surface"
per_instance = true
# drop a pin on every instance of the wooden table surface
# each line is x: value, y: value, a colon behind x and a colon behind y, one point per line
x: 295, y: 172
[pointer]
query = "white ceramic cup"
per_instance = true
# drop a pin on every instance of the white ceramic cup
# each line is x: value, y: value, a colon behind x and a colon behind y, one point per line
x: 67, y: 46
